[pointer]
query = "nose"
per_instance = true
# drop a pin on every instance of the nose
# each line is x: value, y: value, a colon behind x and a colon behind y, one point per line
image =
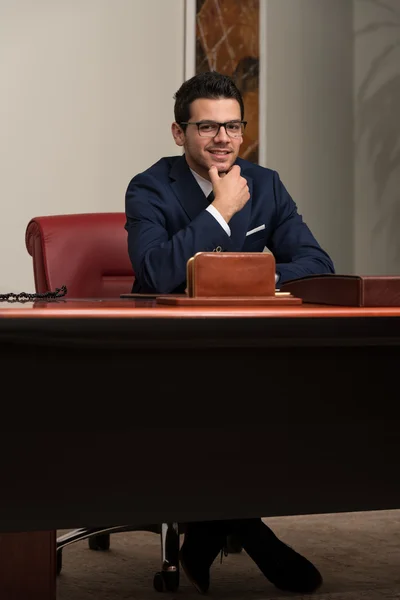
x: 222, y: 136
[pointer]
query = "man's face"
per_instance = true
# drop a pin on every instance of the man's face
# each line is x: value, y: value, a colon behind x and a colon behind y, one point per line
x: 204, y: 152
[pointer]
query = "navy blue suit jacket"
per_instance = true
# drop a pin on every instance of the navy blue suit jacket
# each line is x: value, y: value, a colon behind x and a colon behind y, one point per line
x: 167, y: 224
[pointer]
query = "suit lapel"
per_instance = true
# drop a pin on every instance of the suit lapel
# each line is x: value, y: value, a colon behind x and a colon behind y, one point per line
x: 186, y: 189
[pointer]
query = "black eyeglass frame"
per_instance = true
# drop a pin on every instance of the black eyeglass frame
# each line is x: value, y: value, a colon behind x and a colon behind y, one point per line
x: 205, y: 122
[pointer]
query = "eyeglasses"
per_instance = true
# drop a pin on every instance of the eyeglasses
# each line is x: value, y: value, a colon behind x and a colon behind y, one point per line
x: 234, y: 129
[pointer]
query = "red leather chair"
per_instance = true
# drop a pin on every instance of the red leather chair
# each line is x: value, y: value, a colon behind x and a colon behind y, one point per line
x: 88, y: 253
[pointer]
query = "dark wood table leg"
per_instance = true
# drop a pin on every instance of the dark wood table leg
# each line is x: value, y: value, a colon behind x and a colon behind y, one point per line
x: 28, y: 565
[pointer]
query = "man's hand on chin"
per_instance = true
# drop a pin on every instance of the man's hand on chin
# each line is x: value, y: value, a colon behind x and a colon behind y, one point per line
x: 231, y: 191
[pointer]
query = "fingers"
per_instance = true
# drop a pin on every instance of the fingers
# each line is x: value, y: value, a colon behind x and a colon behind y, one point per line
x: 213, y: 173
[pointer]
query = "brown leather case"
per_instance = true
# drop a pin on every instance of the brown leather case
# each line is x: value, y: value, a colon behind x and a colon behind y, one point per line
x: 346, y: 290
x: 230, y: 279
x: 229, y: 274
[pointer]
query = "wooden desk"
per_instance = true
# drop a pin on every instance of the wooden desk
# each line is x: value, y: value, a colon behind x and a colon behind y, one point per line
x: 125, y: 412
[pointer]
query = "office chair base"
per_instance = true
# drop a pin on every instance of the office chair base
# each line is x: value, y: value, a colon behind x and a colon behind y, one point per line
x: 99, y: 539
x: 99, y: 542
x: 166, y: 581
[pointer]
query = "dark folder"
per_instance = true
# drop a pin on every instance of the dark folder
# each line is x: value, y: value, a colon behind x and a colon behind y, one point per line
x: 346, y: 290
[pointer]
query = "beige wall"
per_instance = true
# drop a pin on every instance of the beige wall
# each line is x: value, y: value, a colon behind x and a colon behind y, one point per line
x: 86, y: 99
x: 309, y: 125
x: 333, y: 123
x: 377, y: 157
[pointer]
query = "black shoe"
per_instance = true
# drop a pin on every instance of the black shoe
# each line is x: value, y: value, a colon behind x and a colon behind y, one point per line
x: 285, y: 568
x: 202, y: 544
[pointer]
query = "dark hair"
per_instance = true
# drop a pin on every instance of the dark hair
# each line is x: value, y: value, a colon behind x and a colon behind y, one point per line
x: 211, y: 85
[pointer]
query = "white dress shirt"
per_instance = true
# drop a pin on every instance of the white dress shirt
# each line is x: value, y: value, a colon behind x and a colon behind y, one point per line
x: 207, y: 187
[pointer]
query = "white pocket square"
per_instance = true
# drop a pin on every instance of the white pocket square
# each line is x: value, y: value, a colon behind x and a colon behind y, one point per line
x: 259, y: 228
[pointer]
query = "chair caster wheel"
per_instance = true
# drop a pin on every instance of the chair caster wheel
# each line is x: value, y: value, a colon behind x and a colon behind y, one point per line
x: 59, y: 561
x: 166, y: 581
x: 100, y: 542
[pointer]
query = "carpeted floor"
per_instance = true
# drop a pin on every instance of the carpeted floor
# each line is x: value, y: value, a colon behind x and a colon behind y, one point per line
x: 358, y: 555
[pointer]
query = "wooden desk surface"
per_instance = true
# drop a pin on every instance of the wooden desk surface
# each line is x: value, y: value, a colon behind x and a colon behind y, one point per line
x: 126, y: 308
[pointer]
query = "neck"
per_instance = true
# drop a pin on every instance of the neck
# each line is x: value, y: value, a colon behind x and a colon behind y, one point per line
x: 199, y: 170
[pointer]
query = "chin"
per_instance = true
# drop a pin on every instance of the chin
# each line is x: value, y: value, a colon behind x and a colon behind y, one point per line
x: 224, y: 168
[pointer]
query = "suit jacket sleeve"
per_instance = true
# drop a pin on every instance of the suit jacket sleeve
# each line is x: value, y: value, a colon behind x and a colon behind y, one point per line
x: 159, y: 256
x: 297, y: 252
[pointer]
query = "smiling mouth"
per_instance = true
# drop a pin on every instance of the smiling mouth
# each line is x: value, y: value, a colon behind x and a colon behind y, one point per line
x: 219, y: 152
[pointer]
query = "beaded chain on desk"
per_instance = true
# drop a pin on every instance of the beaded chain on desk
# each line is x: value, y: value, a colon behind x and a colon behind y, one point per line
x: 25, y: 297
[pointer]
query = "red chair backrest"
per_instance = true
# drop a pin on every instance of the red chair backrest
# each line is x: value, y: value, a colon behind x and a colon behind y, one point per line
x: 86, y: 252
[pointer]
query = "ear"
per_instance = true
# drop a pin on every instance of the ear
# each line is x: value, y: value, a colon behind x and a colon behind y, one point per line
x: 178, y: 134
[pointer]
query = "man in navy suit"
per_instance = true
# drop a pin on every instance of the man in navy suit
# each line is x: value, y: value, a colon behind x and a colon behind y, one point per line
x: 211, y: 200
x: 171, y: 215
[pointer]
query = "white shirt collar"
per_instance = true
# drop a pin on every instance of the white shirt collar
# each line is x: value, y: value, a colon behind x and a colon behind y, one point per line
x: 205, y: 185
